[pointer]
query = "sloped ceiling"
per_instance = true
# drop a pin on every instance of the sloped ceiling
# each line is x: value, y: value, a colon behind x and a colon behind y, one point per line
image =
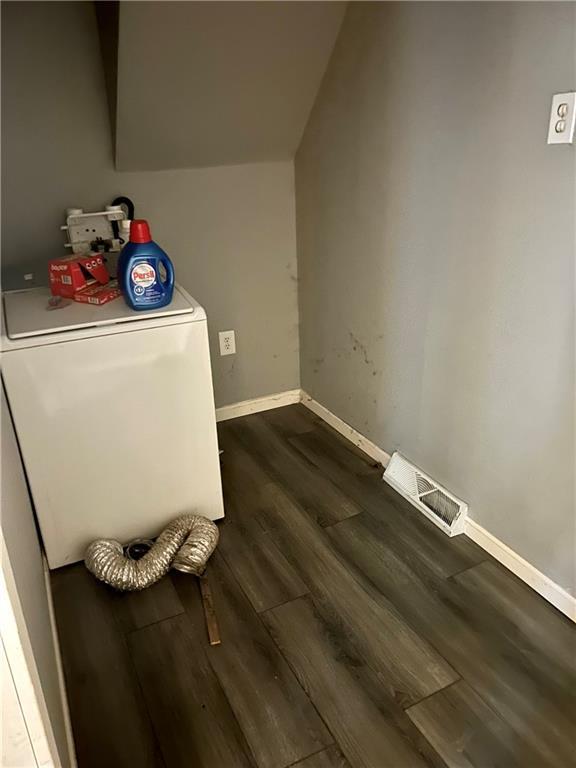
x: 215, y: 83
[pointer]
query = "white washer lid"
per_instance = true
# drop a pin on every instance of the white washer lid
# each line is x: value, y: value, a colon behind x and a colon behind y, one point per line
x: 26, y: 313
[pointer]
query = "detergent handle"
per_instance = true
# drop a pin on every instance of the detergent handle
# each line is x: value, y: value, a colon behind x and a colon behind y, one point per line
x: 165, y: 261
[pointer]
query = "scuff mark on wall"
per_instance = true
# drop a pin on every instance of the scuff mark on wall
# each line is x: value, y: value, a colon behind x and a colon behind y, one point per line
x: 357, y: 345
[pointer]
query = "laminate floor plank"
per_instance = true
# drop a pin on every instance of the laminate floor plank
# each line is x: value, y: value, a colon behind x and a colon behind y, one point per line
x: 297, y: 420
x: 276, y: 717
x: 523, y: 689
x: 395, y: 515
x: 331, y: 757
x: 263, y: 572
x: 532, y: 621
x: 291, y: 420
x: 465, y: 732
x: 355, y: 634
x: 553, y: 673
x: 409, y: 667
x: 322, y: 439
x: 109, y: 720
x: 267, y: 578
x: 243, y: 478
x: 367, y: 730
x: 138, y: 609
x: 192, y: 718
x: 317, y: 495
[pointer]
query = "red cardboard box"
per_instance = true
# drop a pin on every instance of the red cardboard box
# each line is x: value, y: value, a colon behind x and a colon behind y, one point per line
x: 98, y: 294
x: 75, y: 273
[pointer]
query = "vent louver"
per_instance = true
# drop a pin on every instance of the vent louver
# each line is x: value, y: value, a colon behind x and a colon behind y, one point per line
x: 438, y: 504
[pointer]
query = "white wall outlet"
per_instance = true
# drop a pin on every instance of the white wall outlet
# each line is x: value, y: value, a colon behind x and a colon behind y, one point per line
x: 227, y: 341
x: 562, y: 118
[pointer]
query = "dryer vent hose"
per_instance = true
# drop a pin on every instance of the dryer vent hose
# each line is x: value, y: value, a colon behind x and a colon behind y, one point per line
x: 186, y: 544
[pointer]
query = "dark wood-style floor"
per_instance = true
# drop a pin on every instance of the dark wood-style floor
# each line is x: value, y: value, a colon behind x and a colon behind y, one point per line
x: 354, y: 633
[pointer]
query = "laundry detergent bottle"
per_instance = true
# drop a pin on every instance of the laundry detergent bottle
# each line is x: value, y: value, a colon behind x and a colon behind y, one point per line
x: 145, y: 273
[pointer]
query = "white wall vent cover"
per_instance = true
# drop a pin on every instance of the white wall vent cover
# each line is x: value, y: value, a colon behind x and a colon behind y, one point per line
x: 444, y: 509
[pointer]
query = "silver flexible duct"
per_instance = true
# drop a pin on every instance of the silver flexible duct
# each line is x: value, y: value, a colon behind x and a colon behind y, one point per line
x: 185, y: 544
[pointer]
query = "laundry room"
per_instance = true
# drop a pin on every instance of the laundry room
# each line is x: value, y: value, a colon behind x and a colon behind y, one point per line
x: 288, y: 349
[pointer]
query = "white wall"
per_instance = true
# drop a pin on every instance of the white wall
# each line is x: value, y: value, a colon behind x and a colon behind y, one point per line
x: 26, y: 622
x: 436, y: 255
x: 17, y: 751
x: 229, y: 230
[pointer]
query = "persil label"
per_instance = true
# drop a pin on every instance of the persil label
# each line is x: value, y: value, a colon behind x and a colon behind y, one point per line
x: 143, y: 275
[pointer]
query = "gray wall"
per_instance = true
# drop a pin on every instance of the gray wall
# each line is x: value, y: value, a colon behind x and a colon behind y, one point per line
x: 436, y: 255
x: 230, y: 82
x: 229, y: 230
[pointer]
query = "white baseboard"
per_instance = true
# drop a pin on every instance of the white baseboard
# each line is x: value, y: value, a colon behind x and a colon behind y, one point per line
x: 539, y: 582
x: 258, y: 404
x: 349, y: 432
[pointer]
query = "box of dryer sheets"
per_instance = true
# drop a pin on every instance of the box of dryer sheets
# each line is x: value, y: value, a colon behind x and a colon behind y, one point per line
x: 75, y: 273
x: 98, y: 294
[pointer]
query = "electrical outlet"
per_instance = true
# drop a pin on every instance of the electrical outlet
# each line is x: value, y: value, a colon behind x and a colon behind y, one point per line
x: 227, y: 341
x: 562, y: 118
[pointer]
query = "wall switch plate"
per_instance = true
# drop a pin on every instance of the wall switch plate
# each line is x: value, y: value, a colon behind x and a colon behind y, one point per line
x: 562, y: 118
x: 227, y: 341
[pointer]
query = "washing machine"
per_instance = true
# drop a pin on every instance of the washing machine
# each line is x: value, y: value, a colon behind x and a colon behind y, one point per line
x: 114, y: 414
